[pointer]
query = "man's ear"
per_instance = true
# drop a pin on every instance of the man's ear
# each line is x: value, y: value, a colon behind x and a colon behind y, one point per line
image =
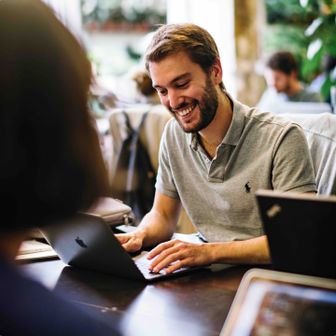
x: 217, y: 72
x: 294, y: 74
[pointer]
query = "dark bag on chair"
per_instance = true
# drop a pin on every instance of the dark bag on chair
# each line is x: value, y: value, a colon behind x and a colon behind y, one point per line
x: 134, y: 178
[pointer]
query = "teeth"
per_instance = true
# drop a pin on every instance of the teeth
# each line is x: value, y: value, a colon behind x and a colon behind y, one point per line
x: 183, y: 113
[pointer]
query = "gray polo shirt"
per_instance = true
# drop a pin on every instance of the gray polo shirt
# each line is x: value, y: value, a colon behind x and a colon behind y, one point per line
x: 259, y: 150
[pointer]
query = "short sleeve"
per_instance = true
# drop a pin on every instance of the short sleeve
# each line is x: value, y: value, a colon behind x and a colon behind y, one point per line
x: 292, y: 165
x: 165, y: 181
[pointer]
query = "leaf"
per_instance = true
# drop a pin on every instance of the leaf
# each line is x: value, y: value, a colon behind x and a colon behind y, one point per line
x: 325, y: 88
x: 304, y: 3
x: 312, y: 65
x: 330, y: 48
x: 312, y: 28
x: 313, y: 48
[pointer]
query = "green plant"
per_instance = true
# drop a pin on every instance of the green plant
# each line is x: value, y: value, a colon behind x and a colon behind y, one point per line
x: 288, y: 12
x: 321, y: 33
x: 117, y: 11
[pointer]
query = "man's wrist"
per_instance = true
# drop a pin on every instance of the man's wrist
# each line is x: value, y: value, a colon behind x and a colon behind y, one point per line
x: 221, y: 252
x: 213, y: 252
x: 140, y: 234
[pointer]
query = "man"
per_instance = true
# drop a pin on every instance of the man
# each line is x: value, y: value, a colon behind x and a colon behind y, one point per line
x: 214, y: 154
x: 283, y: 85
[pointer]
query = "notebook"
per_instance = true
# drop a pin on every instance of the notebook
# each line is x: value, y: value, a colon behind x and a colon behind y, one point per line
x: 301, y: 230
x: 35, y: 250
x: 279, y: 303
x: 87, y: 242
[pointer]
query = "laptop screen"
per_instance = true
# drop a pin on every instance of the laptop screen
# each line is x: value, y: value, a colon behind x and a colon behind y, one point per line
x: 301, y: 231
x: 289, y: 304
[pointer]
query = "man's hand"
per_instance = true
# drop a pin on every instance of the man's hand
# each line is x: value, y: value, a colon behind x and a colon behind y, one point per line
x: 176, y: 254
x: 131, y: 242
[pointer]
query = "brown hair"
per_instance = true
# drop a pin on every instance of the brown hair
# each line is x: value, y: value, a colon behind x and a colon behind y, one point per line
x: 51, y: 165
x: 144, y: 83
x: 283, y: 61
x: 189, y: 38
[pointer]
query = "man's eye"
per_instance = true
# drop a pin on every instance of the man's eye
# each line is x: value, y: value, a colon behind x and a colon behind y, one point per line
x: 181, y: 85
x: 161, y: 92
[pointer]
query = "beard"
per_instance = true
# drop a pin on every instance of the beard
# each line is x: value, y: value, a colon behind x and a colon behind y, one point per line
x: 284, y: 89
x: 208, y: 105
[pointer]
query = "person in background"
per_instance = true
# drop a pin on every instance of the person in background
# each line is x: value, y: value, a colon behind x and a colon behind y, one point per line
x: 144, y: 87
x: 281, y: 75
x: 214, y: 154
x: 51, y: 165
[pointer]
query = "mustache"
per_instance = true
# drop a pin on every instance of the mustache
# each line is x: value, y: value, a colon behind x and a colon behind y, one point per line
x: 182, y: 105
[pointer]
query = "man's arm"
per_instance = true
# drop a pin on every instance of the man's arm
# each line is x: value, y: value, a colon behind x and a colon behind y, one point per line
x: 179, y: 254
x: 157, y: 226
x: 251, y: 251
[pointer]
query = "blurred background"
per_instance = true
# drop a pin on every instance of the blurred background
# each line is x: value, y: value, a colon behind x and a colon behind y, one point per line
x: 116, y: 32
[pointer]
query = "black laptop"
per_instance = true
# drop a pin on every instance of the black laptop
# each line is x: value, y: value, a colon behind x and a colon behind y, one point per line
x: 301, y: 230
x: 87, y: 242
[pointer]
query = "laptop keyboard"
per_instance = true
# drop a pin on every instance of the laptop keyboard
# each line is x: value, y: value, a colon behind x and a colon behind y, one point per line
x: 143, y: 264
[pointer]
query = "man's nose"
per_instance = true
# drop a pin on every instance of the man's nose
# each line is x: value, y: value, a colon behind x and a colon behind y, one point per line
x: 175, y: 99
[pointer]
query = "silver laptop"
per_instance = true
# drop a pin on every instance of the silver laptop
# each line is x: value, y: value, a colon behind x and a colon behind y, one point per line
x: 280, y: 303
x: 87, y: 242
x: 301, y: 231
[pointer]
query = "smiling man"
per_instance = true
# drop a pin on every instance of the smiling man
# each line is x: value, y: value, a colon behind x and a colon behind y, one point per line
x: 215, y: 153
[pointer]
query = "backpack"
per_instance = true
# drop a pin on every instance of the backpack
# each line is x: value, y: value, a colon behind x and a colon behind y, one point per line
x: 134, y: 178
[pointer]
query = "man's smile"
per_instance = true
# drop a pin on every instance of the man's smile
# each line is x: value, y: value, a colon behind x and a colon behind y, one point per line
x: 185, y: 111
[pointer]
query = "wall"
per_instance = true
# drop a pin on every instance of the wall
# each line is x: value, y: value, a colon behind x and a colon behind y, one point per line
x: 217, y: 17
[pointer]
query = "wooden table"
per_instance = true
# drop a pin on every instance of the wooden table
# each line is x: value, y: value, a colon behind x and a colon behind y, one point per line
x: 195, y: 304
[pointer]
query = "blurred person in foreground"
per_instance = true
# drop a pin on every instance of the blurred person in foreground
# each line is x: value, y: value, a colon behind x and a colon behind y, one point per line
x: 215, y: 153
x: 51, y: 165
x: 281, y: 76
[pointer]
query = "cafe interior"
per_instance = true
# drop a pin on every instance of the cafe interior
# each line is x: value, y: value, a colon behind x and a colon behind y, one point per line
x: 218, y: 299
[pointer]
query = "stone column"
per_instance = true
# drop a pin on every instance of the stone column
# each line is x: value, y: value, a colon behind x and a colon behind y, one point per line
x: 250, y: 21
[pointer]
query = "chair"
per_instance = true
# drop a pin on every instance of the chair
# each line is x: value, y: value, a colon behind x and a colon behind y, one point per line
x: 150, y: 136
x: 320, y: 131
x: 300, y: 108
